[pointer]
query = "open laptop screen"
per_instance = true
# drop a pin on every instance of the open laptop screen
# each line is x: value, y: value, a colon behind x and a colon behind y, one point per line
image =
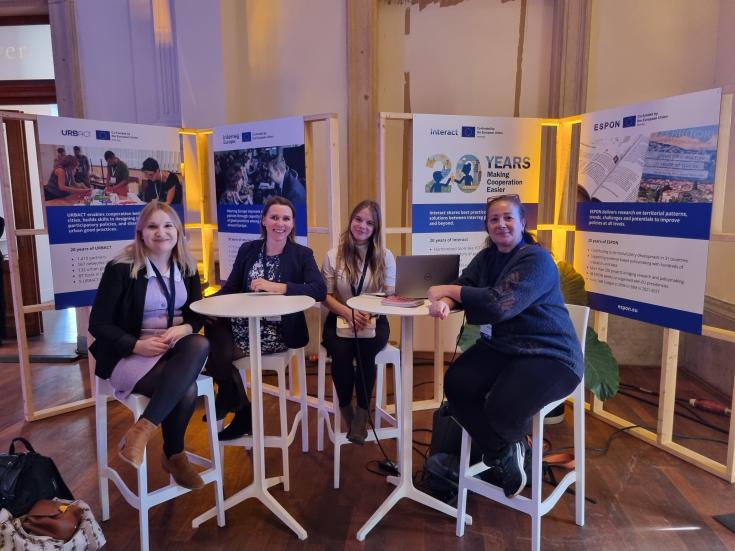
x: 415, y: 274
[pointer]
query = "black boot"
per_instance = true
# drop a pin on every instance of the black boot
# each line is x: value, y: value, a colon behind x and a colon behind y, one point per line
x: 347, y: 414
x: 358, y: 428
x: 241, y: 425
x: 231, y: 396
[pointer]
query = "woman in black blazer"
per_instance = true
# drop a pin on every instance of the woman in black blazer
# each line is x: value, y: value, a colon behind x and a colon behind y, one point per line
x: 146, y: 338
x: 274, y: 264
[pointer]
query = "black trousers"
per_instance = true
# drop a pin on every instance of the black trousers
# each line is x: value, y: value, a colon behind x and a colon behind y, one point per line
x: 231, y: 394
x: 171, y: 387
x: 344, y: 351
x: 494, y: 396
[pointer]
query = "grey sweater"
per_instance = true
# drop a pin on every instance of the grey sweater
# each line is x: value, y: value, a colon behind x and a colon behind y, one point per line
x: 524, y: 305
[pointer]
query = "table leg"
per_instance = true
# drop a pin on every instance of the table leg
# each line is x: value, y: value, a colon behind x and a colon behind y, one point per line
x: 405, y: 487
x: 258, y: 489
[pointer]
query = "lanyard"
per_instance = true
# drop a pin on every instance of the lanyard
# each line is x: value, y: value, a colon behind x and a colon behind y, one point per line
x: 368, y: 257
x: 170, y: 296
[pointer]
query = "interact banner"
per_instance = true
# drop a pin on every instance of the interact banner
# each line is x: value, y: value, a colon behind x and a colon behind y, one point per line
x: 459, y: 162
x: 252, y: 162
x: 98, y: 177
x: 646, y: 182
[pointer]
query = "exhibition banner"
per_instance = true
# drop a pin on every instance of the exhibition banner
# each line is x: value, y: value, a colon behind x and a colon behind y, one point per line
x: 252, y: 162
x: 98, y: 177
x: 646, y: 182
x: 459, y: 162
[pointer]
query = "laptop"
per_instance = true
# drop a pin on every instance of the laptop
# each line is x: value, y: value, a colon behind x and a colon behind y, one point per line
x: 415, y: 274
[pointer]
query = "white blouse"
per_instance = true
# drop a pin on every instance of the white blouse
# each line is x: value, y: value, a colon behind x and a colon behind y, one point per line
x: 336, y: 279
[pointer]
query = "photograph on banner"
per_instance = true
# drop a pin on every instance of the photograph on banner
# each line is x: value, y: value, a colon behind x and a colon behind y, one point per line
x: 252, y: 162
x: 646, y: 180
x: 459, y: 163
x: 97, y: 176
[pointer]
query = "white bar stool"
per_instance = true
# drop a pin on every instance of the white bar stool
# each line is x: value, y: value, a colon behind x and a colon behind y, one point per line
x: 145, y: 500
x: 389, y: 355
x: 535, y: 506
x: 278, y: 362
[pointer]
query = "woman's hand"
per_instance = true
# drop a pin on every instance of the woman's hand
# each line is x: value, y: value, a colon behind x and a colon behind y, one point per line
x: 361, y: 320
x: 173, y: 334
x: 151, y: 347
x: 439, y: 309
x: 261, y: 284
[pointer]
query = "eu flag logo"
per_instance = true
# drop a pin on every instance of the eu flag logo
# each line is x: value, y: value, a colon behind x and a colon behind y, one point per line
x: 629, y: 121
x: 102, y: 134
x: 468, y: 131
x: 247, y: 137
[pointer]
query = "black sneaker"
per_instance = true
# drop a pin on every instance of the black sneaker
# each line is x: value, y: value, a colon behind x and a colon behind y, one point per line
x: 510, y: 469
x: 555, y: 416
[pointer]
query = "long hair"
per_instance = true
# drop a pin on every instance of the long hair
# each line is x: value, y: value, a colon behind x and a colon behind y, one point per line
x: 348, y: 255
x: 135, y: 252
x: 278, y: 200
x: 513, y: 199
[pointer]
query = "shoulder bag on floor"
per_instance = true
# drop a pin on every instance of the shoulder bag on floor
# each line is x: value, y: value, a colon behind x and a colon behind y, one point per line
x: 27, y: 477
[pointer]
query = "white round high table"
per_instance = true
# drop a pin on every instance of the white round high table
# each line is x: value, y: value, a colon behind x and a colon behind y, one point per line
x: 403, y: 482
x: 254, y: 306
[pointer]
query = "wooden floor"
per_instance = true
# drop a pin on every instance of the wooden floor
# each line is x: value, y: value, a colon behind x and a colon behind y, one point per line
x: 644, y: 498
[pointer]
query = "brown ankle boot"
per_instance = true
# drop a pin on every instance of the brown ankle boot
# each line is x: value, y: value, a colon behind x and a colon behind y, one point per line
x: 132, y: 445
x: 182, y: 471
x: 358, y: 427
x: 347, y: 414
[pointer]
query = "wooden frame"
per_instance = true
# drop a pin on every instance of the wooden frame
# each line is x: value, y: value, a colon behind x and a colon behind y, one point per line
x: 331, y: 229
x: 663, y: 436
x: 561, y: 228
x: 204, y: 225
x: 21, y: 309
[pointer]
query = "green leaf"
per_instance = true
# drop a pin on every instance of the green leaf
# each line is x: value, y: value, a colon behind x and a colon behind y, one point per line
x: 572, y: 284
x: 601, y: 374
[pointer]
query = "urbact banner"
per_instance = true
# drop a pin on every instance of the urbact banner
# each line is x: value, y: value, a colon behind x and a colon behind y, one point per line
x: 646, y: 180
x: 252, y: 162
x: 97, y: 178
x: 459, y: 162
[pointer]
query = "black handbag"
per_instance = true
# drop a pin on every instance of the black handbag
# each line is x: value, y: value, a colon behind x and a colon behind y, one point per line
x: 27, y: 477
x: 446, y: 434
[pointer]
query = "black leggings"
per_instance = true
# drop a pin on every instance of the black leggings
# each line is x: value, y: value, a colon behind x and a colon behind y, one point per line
x: 223, y: 351
x: 343, y: 351
x: 494, y: 396
x: 171, y: 387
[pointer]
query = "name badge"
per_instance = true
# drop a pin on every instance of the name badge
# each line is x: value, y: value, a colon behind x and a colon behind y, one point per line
x: 486, y: 330
x: 113, y: 179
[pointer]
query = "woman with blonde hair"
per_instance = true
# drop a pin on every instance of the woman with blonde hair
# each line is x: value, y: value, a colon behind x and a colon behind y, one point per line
x: 358, y: 265
x: 146, y: 338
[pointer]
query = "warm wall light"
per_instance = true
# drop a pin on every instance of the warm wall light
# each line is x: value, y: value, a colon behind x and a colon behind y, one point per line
x: 552, y: 227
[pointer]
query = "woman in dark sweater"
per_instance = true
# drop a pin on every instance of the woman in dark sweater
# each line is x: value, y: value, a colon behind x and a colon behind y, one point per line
x: 274, y: 264
x: 527, y: 355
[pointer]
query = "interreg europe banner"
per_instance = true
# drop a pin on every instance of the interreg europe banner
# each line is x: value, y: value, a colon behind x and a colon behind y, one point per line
x: 252, y: 162
x: 459, y: 162
x: 97, y: 178
x: 646, y: 180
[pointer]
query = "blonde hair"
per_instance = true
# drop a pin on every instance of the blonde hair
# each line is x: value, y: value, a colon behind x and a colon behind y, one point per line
x: 348, y: 254
x: 135, y: 252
